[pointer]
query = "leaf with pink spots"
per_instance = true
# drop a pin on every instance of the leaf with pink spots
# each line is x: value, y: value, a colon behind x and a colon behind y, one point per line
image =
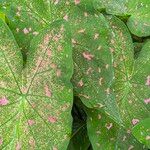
x: 93, y: 70
x: 131, y: 82
x: 36, y: 98
x: 104, y: 133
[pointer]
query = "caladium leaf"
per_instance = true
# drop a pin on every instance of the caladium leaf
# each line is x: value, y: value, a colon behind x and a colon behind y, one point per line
x: 93, y: 70
x: 132, y: 82
x: 136, y: 10
x: 35, y: 102
x: 104, y: 133
x: 142, y: 132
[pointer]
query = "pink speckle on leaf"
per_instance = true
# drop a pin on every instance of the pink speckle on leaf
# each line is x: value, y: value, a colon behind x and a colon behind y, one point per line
x: 3, y: 101
x: 30, y: 29
x: 18, y: 14
x: 54, y: 148
x: 46, y: 39
x: 130, y: 147
x: 124, y: 138
x: 128, y: 131
x: 25, y: 31
x: 35, y: 33
x: 65, y: 17
x: 107, y: 66
x: 56, y: 38
x: 89, y: 70
x: 87, y: 55
x: 135, y: 121
x: 147, y: 137
x: 53, y: 66
x: 32, y: 142
x: 49, y: 52
x: 59, y: 48
x: 56, y: 2
x: 108, y: 91
x: 147, y: 101
x: 31, y: 122
x: 58, y: 73
x: 18, y: 146
x: 80, y: 83
x: 1, y: 141
x: 148, y: 81
x: 109, y: 126
x: 17, y: 29
x: 81, y: 31
x: 100, y: 81
x: 73, y: 41
x: 77, y: 2
x: 85, y: 14
x: 52, y: 119
x: 96, y: 36
x: 47, y: 91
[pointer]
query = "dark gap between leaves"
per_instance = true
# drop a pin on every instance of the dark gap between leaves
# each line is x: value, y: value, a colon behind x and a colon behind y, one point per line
x: 79, y: 138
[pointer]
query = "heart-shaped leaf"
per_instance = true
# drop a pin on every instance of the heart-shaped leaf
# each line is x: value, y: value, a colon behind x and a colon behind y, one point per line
x: 93, y: 70
x: 132, y: 77
x: 142, y: 132
x: 136, y: 10
x: 35, y: 102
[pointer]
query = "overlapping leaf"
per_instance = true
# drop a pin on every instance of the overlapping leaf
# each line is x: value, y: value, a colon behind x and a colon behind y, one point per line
x: 93, y: 71
x: 132, y: 82
x: 136, y: 10
x: 35, y: 102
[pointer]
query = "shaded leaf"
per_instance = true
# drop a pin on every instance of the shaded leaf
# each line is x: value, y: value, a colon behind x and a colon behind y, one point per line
x: 79, y: 139
x: 137, y: 48
x: 35, y: 102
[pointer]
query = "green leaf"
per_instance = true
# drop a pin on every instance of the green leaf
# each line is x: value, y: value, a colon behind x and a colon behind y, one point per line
x: 35, y: 102
x: 93, y: 70
x: 104, y: 133
x: 137, y: 12
x: 142, y: 132
x: 132, y: 82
